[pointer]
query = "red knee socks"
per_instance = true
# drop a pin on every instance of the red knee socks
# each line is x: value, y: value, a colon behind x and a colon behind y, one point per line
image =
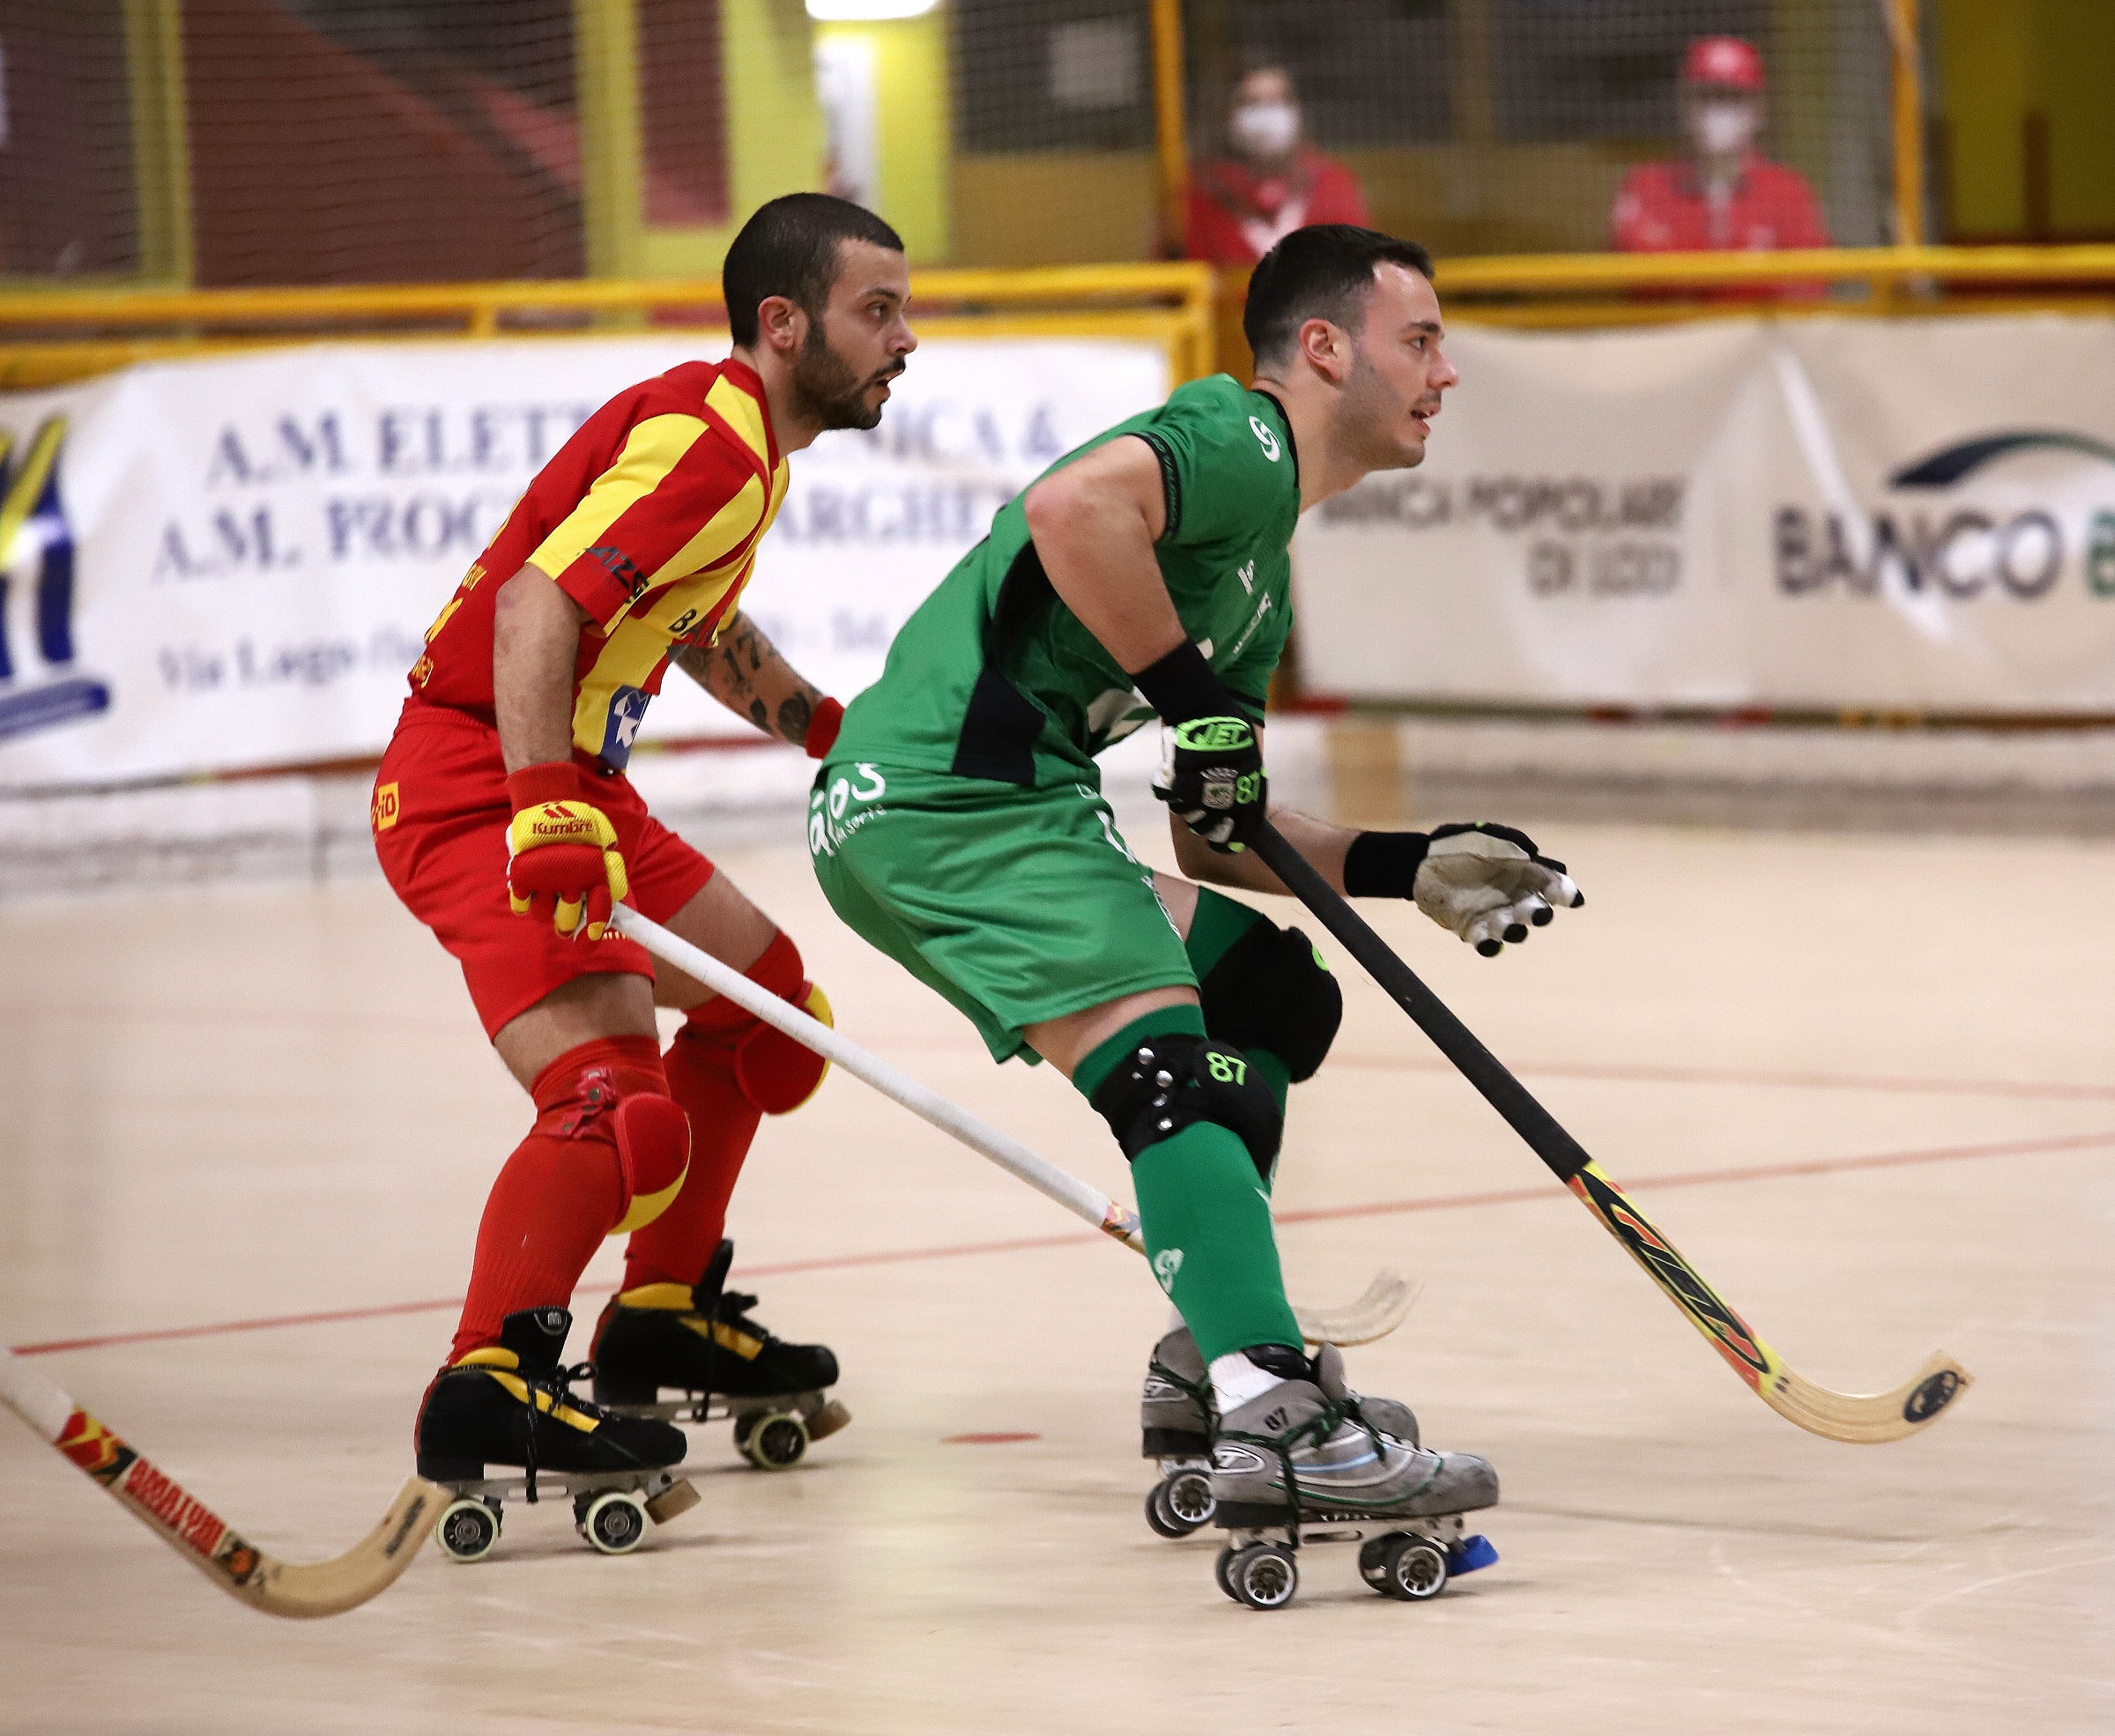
x: 700, y: 1064
x: 561, y: 1191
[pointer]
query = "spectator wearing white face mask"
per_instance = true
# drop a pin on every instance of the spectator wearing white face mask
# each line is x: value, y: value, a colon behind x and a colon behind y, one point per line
x: 1270, y: 183
x: 1723, y: 194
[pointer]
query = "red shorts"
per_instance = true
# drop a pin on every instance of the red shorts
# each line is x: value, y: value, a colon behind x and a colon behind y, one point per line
x: 440, y: 816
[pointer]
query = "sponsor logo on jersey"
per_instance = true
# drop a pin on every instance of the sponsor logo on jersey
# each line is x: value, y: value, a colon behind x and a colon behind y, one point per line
x: 1246, y: 573
x: 620, y: 730
x: 386, y: 811
x: 620, y: 567
x: 40, y: 684
x: 1265, y: 438
x: 1166, y: 1264
x: 1248, y: 631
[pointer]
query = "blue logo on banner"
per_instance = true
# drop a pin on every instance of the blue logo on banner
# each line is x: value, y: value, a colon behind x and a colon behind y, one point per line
x: 36, y: 579
x: 627, y: 711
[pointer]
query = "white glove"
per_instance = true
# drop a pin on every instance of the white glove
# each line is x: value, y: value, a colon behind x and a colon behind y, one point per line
x: 1485, y: 883
x: 1488, y: 885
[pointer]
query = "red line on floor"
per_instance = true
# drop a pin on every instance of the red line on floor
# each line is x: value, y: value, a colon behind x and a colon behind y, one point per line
x: 1441, y: 1202
x: 1693, y: 1178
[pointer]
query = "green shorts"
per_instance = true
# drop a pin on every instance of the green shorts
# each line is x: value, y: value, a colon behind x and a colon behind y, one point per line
x: 1018, y: 905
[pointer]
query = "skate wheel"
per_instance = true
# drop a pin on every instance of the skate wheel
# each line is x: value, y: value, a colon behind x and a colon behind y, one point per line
x: 1264, y: 1575
x: 1219, y: 1571
x: 613, y: 1522
x: 1177, y: 1505
x: 1408, y: 1568
x: 773, y: 1439
x: 467, y: 1529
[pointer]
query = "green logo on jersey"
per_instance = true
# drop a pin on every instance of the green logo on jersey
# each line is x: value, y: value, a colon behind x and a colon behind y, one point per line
x: 1214, y: 735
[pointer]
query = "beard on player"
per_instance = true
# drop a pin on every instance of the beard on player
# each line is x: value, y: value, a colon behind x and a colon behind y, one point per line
x: 831, y: 390
x: 1371, y: 414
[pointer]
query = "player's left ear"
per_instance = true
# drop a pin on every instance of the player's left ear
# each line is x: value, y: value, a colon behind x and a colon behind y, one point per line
x: 782, y: 325
x: 1327, y: 350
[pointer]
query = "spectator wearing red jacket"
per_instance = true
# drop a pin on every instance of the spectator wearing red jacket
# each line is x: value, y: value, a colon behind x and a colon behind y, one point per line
x: 1723, y: 195
x: 1271, y: 183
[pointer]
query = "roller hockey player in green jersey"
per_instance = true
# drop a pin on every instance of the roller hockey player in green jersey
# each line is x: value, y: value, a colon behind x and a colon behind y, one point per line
x: 958, y: 824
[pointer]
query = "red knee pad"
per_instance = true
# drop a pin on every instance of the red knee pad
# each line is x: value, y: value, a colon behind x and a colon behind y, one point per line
x: 772, y: 1071
x: 653, y: 1146
x: 612, y: 1092
x: 775, y: 1072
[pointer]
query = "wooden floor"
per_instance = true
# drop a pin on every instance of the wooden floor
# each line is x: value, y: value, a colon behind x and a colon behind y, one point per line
x: 1868, y: 1085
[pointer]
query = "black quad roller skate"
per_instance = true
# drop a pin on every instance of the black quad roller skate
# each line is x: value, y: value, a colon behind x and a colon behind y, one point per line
x: 699, y: 1340
x: 511, y: 1405
x: 1311, y: 1452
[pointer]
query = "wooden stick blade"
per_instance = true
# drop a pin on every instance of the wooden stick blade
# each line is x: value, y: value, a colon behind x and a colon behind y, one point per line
x: 1385, y: 1306
x: 1868, y: 1419
x: 295, y: 1589
x: 1859, y: 1418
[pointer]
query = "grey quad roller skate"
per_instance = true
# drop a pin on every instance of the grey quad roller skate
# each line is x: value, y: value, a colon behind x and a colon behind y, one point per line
x: 699, y: 1340
x: 1310, y: 1450
x: 1178, y: 1423
x: 511, y: 1405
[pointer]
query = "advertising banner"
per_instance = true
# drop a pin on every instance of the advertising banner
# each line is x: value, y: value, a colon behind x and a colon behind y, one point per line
x: 230, y: 563
x: 1827, y: 512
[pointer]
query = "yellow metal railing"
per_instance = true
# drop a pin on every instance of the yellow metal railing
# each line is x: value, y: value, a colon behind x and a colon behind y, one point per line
x: 48, y: 337
x: 1620, y: 289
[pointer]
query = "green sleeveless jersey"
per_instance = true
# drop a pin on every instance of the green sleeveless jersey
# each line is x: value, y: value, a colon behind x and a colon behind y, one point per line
x: 994, y: 677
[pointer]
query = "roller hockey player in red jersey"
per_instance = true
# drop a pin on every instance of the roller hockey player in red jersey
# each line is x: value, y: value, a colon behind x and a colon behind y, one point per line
x: 505, y: 822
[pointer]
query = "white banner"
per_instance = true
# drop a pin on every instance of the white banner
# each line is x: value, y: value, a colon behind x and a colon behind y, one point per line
x: 229, y: 563
x: 1832, y: 512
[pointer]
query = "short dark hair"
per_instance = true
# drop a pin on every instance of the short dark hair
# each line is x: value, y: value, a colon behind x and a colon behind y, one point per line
x: 790, y: 247
x: 1321, y: 272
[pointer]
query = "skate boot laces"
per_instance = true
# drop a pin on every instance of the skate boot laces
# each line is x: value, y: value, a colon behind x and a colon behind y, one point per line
x: 550, y: 1393
x: 732, y: 1312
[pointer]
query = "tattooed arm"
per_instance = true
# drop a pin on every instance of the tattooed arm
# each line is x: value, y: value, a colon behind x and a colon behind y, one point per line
x: 745, y: 673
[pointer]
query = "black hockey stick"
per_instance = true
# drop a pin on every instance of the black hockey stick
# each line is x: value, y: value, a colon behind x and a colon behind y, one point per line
x: 1840, y: 1416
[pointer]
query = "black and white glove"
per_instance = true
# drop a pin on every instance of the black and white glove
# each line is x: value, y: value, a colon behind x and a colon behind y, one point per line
x: 1486, y: 883
x: 1211, y: 773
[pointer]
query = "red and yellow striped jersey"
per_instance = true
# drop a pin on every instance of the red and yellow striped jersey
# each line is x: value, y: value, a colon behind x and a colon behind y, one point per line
x: 649, y: 518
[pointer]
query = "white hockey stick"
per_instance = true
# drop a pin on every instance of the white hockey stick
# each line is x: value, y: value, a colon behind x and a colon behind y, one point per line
x: 1375, y: 1315
x: 198, y: 1534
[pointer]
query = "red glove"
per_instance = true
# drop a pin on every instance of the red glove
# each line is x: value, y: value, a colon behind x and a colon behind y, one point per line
x: 562, y: 860
x: 822, y: 729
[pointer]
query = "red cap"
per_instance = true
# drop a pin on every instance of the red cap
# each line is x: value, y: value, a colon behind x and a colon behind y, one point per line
x: 1725, y: 61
